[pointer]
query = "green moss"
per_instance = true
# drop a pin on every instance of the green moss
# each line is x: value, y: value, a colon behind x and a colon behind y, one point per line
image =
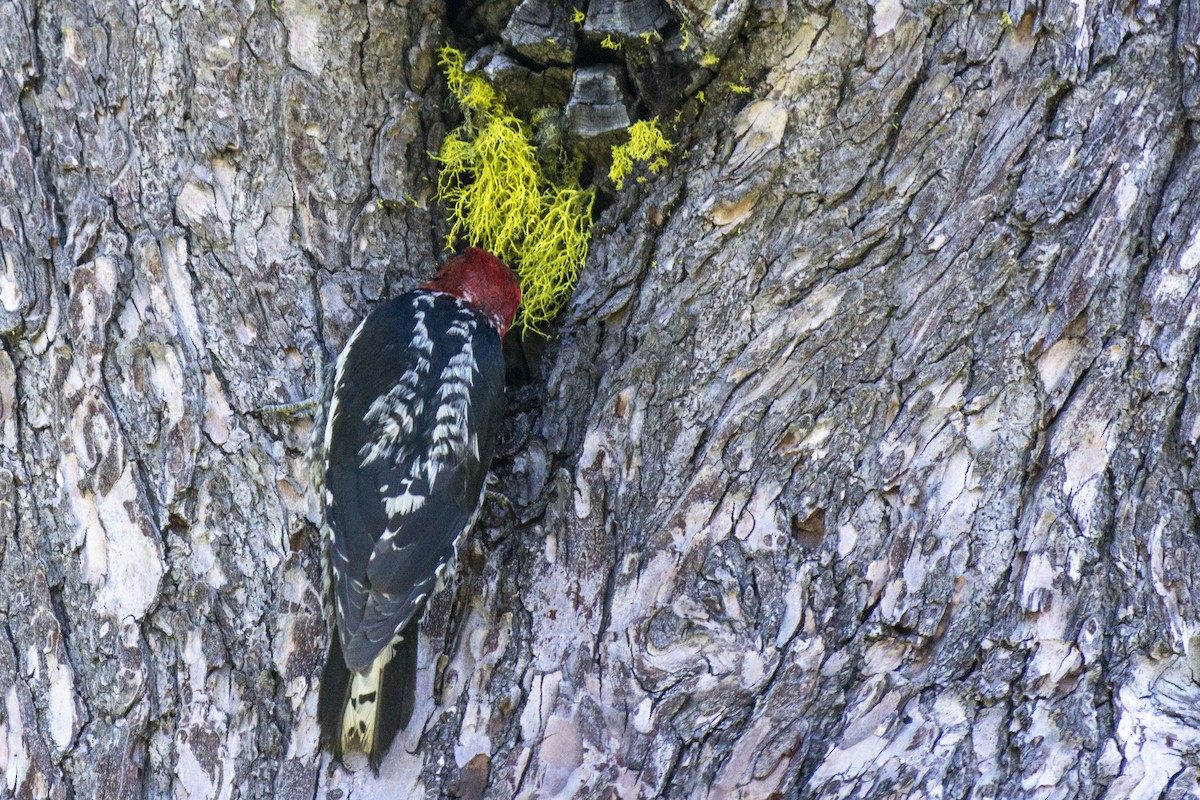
x: 499, y: 196
x: 646, y: 143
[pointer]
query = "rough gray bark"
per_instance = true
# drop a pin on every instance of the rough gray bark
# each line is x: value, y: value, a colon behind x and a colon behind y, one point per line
x: 861, y: 464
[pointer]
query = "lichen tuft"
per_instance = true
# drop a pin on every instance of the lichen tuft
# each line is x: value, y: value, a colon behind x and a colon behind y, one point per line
x: 646, y: 143
x: 499, y: 196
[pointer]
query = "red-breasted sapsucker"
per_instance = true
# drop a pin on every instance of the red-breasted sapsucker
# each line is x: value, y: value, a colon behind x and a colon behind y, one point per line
x: 416, y: 402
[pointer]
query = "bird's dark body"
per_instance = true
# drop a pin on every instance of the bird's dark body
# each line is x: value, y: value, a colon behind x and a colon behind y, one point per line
x: 417, y: 401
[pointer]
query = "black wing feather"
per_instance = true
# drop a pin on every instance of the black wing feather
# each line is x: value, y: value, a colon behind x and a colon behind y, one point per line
x: 381, y: 586
x: 335, y: 689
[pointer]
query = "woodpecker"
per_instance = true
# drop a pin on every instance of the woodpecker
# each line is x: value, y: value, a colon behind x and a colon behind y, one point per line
x: 415, y: 404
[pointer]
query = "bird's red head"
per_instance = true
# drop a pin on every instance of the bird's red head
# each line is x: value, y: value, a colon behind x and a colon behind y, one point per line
x: 480, y: 279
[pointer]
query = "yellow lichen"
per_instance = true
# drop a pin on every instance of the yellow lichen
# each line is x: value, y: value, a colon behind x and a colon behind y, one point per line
x: 499, y: 196
x: 578, y: 17
x: 490, y: 185
x: 557, y: 245
x: 608, y: 43
x: 709, y: 60
x: 646, y: 143
x: 472, y: 92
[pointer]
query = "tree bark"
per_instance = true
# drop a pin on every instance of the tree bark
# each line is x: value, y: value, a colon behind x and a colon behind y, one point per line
x: 860, y: 465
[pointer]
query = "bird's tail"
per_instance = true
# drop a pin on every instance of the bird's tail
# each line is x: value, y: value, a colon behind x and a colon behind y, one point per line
x: 365, y: 710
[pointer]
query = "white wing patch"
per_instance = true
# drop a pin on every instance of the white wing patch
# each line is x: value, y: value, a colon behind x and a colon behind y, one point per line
x: 451, y: 433
x: 403, y: 503
x: 393, y: 415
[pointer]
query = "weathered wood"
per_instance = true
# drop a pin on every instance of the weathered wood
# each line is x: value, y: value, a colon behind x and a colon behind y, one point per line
x: 541, y: 31
x: 625, y: 18
x: 525, y: 90
x: 599, y: 110
x: 861, y: 465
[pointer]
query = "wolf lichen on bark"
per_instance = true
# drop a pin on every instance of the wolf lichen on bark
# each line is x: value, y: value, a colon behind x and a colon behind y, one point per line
x: 500, y: 196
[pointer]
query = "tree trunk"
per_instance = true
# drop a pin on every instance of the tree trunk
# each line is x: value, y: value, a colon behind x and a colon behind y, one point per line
x: 860, y: 465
